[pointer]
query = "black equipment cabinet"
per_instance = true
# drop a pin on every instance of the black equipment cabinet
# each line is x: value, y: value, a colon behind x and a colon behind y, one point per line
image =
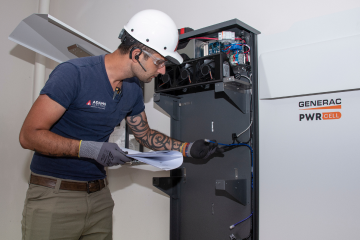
x: 208, y: 196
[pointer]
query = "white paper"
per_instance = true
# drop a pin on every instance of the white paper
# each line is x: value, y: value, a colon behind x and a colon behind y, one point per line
x: 166, y: 160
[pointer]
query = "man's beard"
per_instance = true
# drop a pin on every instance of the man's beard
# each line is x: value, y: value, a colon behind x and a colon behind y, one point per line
x: 145, y: 80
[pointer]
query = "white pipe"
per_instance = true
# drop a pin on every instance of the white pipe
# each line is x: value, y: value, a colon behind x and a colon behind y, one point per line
x: 44, y: 6
x: 40, y: 60
x: 39, y: 74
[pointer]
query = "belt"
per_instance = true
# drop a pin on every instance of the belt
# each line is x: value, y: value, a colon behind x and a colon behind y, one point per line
x: 89, y: 187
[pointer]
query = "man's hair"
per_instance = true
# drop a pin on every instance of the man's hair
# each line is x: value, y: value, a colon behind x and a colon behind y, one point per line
x: 125, y: 49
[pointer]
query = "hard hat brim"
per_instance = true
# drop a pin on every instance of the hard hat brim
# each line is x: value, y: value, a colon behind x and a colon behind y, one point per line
x: 174, y: 57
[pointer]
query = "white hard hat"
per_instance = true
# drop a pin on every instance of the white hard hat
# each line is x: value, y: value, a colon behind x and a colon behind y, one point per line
x: 156, y: 30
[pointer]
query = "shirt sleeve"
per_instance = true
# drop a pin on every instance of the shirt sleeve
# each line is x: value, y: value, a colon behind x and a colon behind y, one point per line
x: 63, y: 84
x: 139, y: 105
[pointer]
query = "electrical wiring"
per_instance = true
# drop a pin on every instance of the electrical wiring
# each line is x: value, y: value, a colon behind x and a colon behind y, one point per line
x: 204, y: 38
x: 246, y: 78
x: 240, y: 39
x: 236, y: 50
x: 247, y: 47
x: 251, y: 121
x: 234, y: 225
x: 162, y: 84
x: 239, y: 144
x: 207, y: 38
x: 252, y: 174
x: 228, y: 48
x: 244, y: 130
x: 231, y: 47
x: 246, y: 53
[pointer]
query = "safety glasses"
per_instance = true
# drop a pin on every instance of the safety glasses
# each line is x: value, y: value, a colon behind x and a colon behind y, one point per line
x: 157, y: 61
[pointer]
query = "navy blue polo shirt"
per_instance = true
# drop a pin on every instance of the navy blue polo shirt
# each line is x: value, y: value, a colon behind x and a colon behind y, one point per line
x: 82, y: 87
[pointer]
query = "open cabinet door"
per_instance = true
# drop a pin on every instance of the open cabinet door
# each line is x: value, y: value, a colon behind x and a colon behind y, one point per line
x: 52, y: 38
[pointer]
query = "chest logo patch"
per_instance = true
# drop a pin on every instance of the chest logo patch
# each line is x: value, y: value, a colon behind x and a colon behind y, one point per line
x: 96, y: 104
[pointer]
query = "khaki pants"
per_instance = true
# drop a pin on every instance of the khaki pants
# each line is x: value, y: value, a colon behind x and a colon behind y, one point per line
x: 60, y: 214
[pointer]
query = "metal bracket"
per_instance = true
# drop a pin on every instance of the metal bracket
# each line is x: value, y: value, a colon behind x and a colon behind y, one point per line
x: 236, y: 188
x: 239, y: 96
x: 232, y: 237
x: 170, y: 104
x: 237, y: 84
x: 167, y: 185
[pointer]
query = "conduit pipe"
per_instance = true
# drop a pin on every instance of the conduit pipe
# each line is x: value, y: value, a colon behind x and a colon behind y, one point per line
x: 40, y: 60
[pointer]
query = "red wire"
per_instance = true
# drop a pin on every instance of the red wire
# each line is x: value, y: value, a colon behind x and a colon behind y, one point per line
x: 205, y: 38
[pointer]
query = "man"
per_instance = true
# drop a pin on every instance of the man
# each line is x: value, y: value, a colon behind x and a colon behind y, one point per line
x: 70, y: 123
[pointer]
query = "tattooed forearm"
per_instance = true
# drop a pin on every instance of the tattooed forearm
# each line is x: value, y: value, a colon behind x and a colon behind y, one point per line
x: 151, y: 138
x: 158, y: 141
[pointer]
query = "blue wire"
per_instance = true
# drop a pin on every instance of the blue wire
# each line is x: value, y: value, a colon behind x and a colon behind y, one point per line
x: 240, y: 144
x: 243, y: 220
x: 232, y: 47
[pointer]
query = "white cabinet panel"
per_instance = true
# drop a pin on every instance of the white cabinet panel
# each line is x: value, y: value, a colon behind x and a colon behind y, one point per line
x: 309, y: 169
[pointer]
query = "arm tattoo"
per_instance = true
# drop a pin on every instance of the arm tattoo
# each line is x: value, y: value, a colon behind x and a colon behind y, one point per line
x: 150, y: 138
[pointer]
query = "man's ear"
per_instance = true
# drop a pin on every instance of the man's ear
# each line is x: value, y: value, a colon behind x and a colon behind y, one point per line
x: 134, y: 54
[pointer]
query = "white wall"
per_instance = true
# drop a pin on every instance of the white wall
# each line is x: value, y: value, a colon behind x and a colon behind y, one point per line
x: 16, y: 68
x: 141, y: 212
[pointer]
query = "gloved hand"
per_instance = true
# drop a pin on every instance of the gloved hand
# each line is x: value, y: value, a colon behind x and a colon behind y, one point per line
x: 105, y: 153
x: 200, y: 149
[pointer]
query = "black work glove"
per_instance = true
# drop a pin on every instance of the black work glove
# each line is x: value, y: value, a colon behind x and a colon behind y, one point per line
x: 105, y: 153
x: 202, y: 149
